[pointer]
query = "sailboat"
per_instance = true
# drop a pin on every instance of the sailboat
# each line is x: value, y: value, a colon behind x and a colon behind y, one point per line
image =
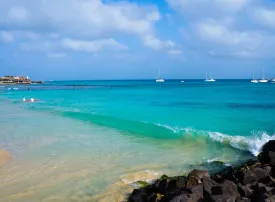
x: 254, y: 80
x: 210, y: 78
x: 159, y: 79
x: 263, y: 80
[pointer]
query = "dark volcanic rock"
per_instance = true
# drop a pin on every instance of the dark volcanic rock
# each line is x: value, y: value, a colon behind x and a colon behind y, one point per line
x: 195, y: 177
x: 251, y: 176
x: 267, y: 155
x: 210, y: 187
x: 181, y: 182
x: 195, y: 195
x: 222, y: 198
x: 230, y: 188
x: 227, y: 173
x: 170, y: 185
x: 252, y: 182
x: 243, y: 200
x: 138, y: 196
x: 200, y: 174
x: 245, y: 191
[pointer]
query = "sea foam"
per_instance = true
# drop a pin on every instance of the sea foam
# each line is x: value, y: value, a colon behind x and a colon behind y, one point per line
x: 252, y: 143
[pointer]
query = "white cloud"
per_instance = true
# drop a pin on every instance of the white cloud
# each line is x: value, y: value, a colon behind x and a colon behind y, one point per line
x: 230, y: 5
x: 46, y: 46
x: 51, y: 47
x: 84, y: 19
x: 6, y: 37
x: 92, y: 46
x: 89, y: 17
x: 206, y: 7
x: 219, y: 32
x: 157, y: 44
x: 153, y: 42
x: 224, y: 27
x: 231, y: 41
x: 18, y: 14
x: 57, y: 55
x: 264, y: 16
x: 175, y: 52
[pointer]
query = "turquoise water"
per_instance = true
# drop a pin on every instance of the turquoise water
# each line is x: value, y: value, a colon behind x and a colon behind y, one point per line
x: 104, y: 129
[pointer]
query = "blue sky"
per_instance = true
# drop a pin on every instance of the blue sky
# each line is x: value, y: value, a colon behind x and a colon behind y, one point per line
x: 131, y: 39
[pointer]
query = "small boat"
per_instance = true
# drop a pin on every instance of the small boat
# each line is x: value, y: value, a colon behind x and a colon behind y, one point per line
x: 254, y: 80
x: 182, y: 81
x: 210, y: 78
x: 273, y: 80
x: 159, y: 79
x: 263, y: 80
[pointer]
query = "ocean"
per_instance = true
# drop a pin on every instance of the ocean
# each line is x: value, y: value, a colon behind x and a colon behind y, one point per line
x: 79, y: 140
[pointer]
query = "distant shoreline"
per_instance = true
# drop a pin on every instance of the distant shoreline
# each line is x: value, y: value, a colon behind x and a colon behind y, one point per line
x: 33, y: 82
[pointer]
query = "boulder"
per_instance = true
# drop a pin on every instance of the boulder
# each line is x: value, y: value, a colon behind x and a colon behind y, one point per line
x: 195, y: 176
x: 155, y: 197
x: 200, y: 174
x: 269, y: 181
x: 165, y: 186
x: 210, y: 187
x: 261, y: 188
x: 268, y: 153
x: 222, y: 198
x: 229, y: 188
x: 193, y: 181
x: 252, y: 176
x: 182, y: 198
x: 243, y: 199
x: 258, y: 197
x: 194, y: 194
x: 245, y: 191
x: 226, y: 174
x: 181, y: 182
x: 138, y: 196
x: 272, y: 172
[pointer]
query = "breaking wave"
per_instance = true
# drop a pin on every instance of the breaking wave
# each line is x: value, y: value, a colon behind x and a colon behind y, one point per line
x: 252, y: 143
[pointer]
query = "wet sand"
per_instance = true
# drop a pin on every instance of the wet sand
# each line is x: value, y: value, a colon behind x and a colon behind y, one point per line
x: 5, y: 157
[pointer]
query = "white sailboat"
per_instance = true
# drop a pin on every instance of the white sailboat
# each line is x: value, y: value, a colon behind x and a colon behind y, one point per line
x: 159, y: 79
x: 254, y: 80
x: 263, y: 80
x: 210, y: 78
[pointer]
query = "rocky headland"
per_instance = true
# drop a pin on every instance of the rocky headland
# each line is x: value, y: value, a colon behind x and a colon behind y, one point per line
x: 253, y: 181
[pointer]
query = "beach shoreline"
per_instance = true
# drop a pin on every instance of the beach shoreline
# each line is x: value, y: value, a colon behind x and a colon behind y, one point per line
x: 253, y: 181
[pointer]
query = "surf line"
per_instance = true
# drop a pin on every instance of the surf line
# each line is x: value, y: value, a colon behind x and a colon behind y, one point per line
x: 30, y: 100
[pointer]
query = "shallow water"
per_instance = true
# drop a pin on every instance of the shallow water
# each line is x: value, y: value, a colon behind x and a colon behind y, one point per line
x: 76, y: 142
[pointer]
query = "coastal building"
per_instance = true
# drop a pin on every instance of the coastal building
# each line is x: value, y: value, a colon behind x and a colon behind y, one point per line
x: 14, y: 80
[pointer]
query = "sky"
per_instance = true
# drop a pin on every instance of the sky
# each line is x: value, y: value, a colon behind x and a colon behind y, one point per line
x: 133, y: 39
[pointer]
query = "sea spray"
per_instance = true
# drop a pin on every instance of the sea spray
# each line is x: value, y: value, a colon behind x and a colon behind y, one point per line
x: 252, y: 143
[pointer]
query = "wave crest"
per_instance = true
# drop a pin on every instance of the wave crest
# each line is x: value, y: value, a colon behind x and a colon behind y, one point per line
x: 252, y: 143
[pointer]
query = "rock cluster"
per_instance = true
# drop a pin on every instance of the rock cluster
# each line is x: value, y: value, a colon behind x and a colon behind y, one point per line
x: 251, y: 182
